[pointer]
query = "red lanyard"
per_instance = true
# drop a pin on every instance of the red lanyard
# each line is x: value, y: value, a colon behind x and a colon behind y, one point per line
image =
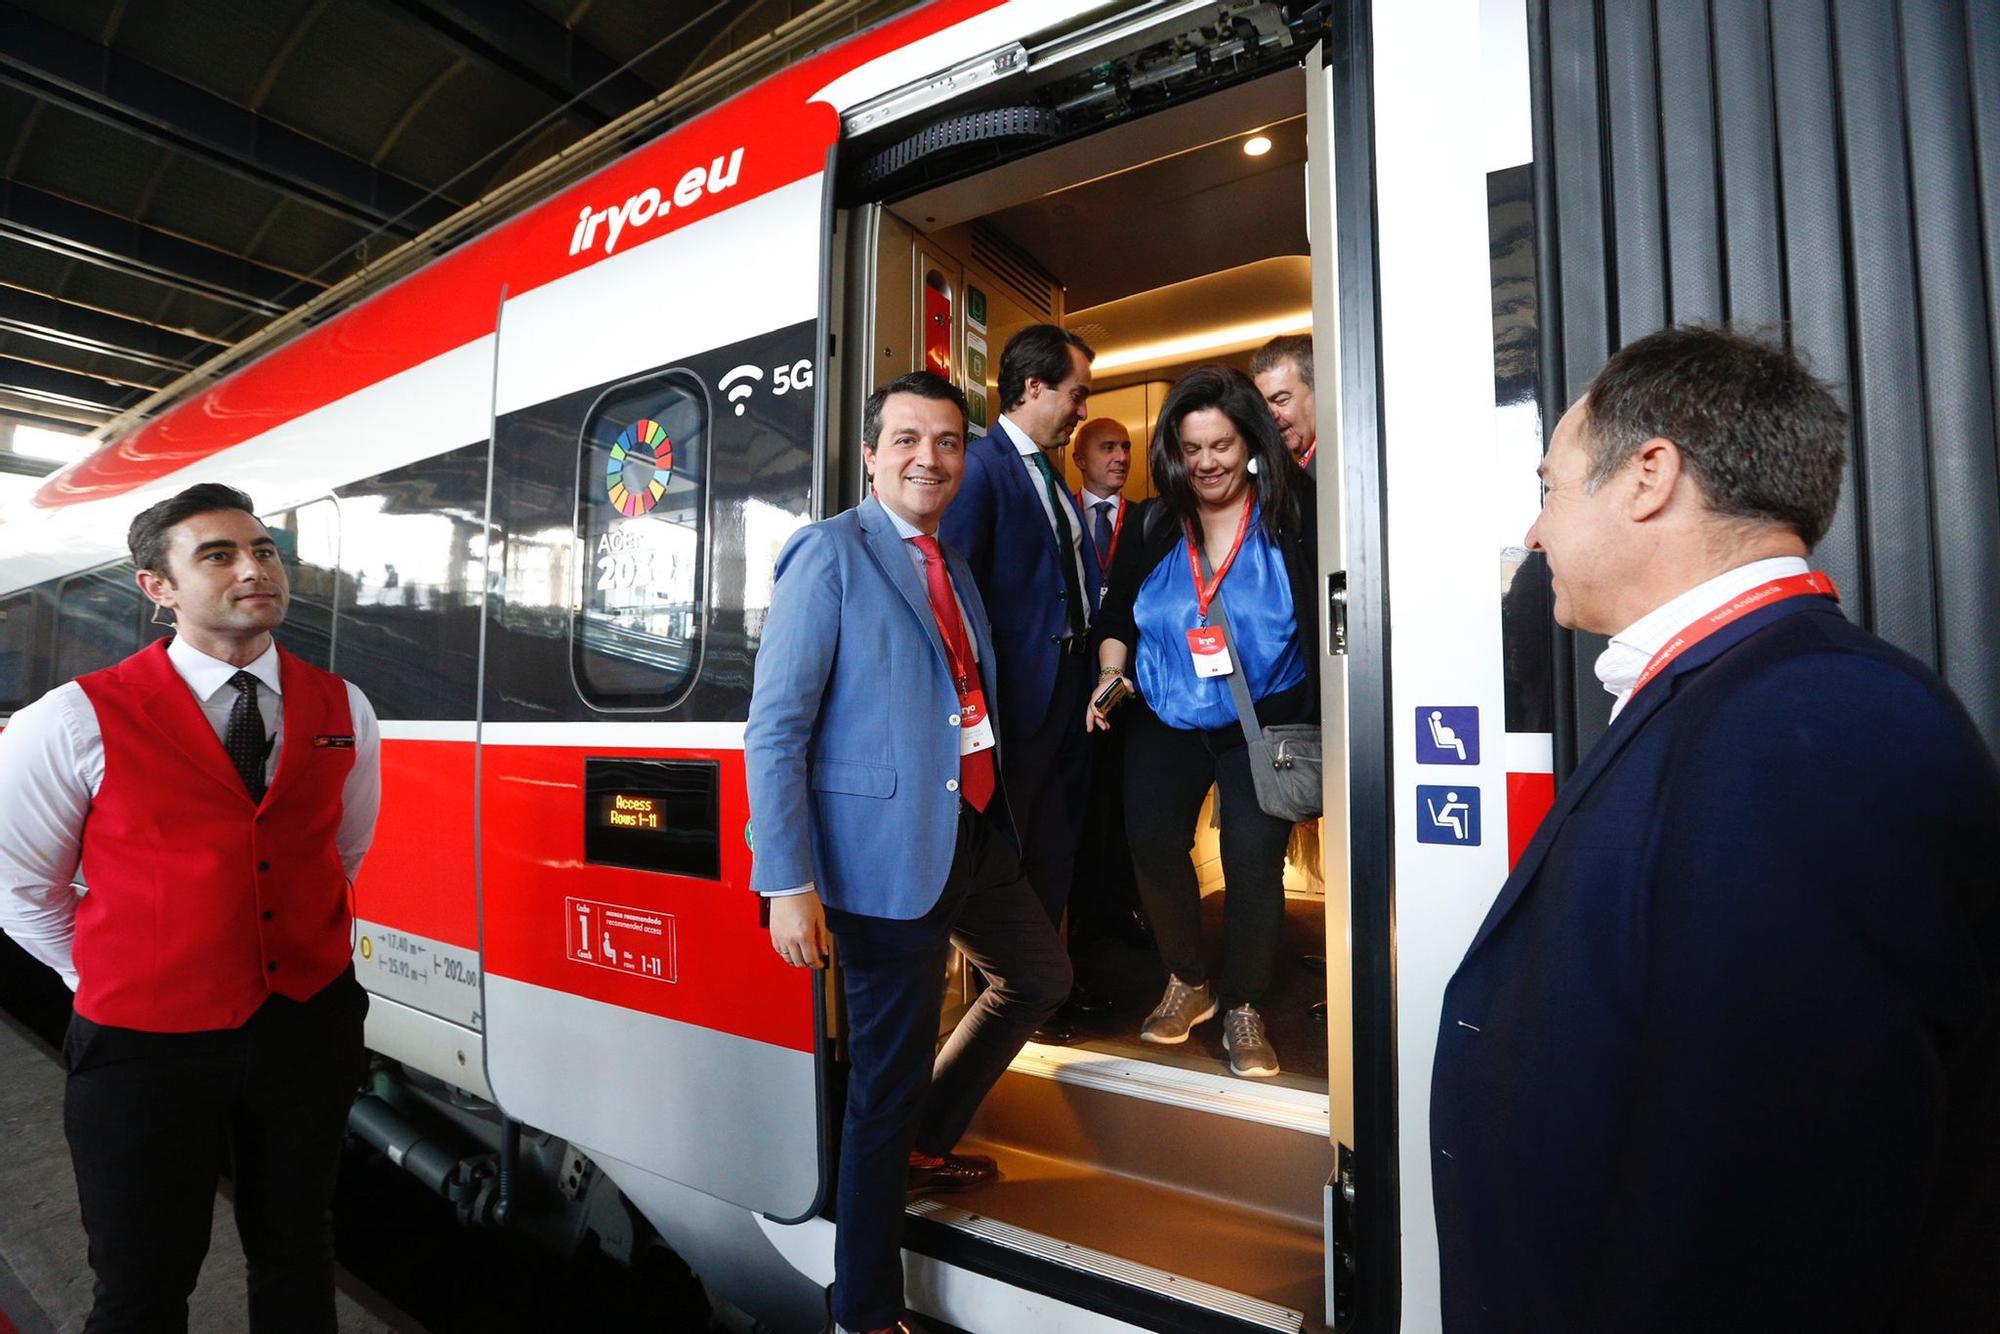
x: 1764, y: 595
x: 1205, y: 593
x: 1311, y: 450
x: 1117, y: 527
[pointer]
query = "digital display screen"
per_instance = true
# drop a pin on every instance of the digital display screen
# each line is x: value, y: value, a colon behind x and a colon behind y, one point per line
x: 653, y: 815
x: 622, y: 810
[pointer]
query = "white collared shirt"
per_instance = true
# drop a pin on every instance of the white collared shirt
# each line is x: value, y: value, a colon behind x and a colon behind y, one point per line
x: 1029, y: 451
x: 52, y: 766
x: 1621, y: 664
x: 1088, y: 500
x: 908, y: 531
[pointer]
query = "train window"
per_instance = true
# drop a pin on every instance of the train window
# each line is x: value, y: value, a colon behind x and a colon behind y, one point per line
x: 98, y: 616
x: 412, y: 582
x: 641, y: 525
x: 17, y: 649
x: 309, y: 545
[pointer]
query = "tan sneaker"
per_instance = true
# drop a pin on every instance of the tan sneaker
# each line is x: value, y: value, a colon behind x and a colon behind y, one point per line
x: 1178, y: 1011
x: 1250, y: 1053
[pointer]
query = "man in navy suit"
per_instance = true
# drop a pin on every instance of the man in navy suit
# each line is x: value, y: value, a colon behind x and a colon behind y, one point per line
x: 1725, y: 1053
x: 1022, y: 535
x: 1104, y: 893
x: 881, y: 820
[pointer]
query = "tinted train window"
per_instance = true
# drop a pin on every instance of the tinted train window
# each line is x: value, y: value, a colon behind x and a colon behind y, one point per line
x: 17, y: 649
x: 308, y: 541
x: 412, y: 581
x: 642, y: 519
x: 97, y: 620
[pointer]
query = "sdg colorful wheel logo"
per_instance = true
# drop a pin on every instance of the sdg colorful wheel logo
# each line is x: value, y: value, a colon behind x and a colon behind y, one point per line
x: 642, y: 459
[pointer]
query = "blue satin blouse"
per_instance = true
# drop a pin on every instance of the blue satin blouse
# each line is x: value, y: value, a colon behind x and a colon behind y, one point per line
x: 1262, y: 625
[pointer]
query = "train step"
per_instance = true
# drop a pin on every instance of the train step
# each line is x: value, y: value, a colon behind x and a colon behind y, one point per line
x: 1202, y: 1189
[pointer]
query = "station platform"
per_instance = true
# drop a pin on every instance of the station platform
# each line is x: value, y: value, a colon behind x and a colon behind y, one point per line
x: 44, y: 1269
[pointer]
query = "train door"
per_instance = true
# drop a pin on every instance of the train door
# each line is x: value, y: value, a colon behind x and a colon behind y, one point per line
x: 1168, y: 233
x: 654, y: 447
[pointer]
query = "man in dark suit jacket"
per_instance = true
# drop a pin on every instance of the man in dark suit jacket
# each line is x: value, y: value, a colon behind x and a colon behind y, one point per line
x: 1022, y: 534
x: 1104, y: 894
x: 875, y: 787
x: 1724, y: 1054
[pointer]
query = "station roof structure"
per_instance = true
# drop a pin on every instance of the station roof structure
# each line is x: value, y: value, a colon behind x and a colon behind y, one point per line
x: 182, y: 182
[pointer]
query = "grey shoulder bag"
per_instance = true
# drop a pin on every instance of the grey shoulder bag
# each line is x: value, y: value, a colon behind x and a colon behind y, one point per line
x: 1284, y: 760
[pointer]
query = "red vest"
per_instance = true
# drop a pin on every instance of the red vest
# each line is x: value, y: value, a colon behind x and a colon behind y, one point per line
x: 201, y: 904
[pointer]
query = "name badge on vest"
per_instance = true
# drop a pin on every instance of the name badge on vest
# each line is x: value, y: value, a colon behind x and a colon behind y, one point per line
x: 332, y: 742
x: 1210, y: 654
x: 975, y: 725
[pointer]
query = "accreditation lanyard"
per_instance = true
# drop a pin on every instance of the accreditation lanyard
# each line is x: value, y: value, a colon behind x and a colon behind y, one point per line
x: 1205, y: 645
x: 1812, y: 582
x: 975, y: 724
x: 1117, y: 530
x: 1311, y: 450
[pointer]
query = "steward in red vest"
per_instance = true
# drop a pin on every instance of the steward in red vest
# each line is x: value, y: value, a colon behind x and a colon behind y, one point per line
x: 213, y: 797
x: 203, y: 902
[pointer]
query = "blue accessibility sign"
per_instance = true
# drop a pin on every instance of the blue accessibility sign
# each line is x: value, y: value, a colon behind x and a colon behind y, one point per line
x: 1448, y: 815
x: 1447, y: 734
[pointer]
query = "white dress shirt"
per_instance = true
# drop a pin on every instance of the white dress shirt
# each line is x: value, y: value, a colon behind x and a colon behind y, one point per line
x: 1029, y: 450
x: 1621, y: 664
x: 1088, y: 500
x: 52, y: 766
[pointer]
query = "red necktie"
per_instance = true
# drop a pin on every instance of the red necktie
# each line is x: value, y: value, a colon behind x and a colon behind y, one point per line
x: 975, y: 771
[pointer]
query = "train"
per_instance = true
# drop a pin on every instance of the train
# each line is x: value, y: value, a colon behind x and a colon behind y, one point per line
x: 531, y: 496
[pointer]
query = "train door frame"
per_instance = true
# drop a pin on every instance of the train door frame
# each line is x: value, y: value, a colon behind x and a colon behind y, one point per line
x: 1362, y: 1218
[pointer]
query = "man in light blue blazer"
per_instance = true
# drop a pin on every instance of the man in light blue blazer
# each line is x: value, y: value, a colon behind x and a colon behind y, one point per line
x: 874, y: 774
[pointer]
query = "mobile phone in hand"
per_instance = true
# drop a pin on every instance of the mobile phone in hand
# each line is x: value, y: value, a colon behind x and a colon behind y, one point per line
x: 1111, y: 695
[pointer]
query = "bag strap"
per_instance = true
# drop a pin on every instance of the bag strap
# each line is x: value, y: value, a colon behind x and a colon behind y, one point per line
x: 1246, y: 709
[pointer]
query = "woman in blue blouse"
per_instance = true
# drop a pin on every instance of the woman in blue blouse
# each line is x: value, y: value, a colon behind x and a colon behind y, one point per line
x: 1224, y: 481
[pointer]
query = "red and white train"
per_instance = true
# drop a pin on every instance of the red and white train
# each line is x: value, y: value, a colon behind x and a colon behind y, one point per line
x: 532, y: 495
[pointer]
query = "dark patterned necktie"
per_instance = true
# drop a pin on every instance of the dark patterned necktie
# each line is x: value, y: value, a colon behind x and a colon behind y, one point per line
x: 1073, y: 602
x: 1100, y: 537
x: 245, y: 740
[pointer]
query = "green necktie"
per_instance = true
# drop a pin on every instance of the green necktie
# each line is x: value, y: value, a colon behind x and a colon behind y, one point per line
x: 1066, y: 547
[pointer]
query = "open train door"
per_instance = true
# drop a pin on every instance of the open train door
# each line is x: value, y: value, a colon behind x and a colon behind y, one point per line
x: 1335, y: 250
x: 1418, y: 156
x: 658, y: 395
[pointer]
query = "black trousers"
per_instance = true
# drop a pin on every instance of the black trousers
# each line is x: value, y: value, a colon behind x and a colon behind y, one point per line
x: 1105, y: 891
x: 1168, y: 771
x: 1048, y: 777
x: 903, y: 1090
x: 152, y: 1118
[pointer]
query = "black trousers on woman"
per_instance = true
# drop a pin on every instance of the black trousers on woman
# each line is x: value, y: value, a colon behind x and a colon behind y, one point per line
x: 1168, y: 770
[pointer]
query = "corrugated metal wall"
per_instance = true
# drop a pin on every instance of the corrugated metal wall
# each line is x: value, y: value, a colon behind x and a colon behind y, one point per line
x: 1822, y: 170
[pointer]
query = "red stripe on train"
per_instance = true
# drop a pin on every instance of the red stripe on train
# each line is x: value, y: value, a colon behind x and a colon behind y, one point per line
x: 1529, y: 797
x: 453, y: 300
x: 418, y: 876
x: 727, y: 976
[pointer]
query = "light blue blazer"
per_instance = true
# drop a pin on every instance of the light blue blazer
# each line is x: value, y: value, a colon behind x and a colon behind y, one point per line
x: 852, y: 735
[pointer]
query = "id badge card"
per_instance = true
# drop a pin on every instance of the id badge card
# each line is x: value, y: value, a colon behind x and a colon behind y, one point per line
x: 975, y: 725
x: 1210, y: 654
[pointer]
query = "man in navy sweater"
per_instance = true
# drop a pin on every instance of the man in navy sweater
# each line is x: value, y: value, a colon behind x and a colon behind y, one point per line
x: 1725, y: 1054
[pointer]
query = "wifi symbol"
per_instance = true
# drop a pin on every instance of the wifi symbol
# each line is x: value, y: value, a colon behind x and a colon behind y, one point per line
x: 741, y: 377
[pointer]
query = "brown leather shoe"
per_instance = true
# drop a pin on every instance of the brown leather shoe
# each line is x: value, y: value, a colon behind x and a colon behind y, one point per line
x: 950, y: 1172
